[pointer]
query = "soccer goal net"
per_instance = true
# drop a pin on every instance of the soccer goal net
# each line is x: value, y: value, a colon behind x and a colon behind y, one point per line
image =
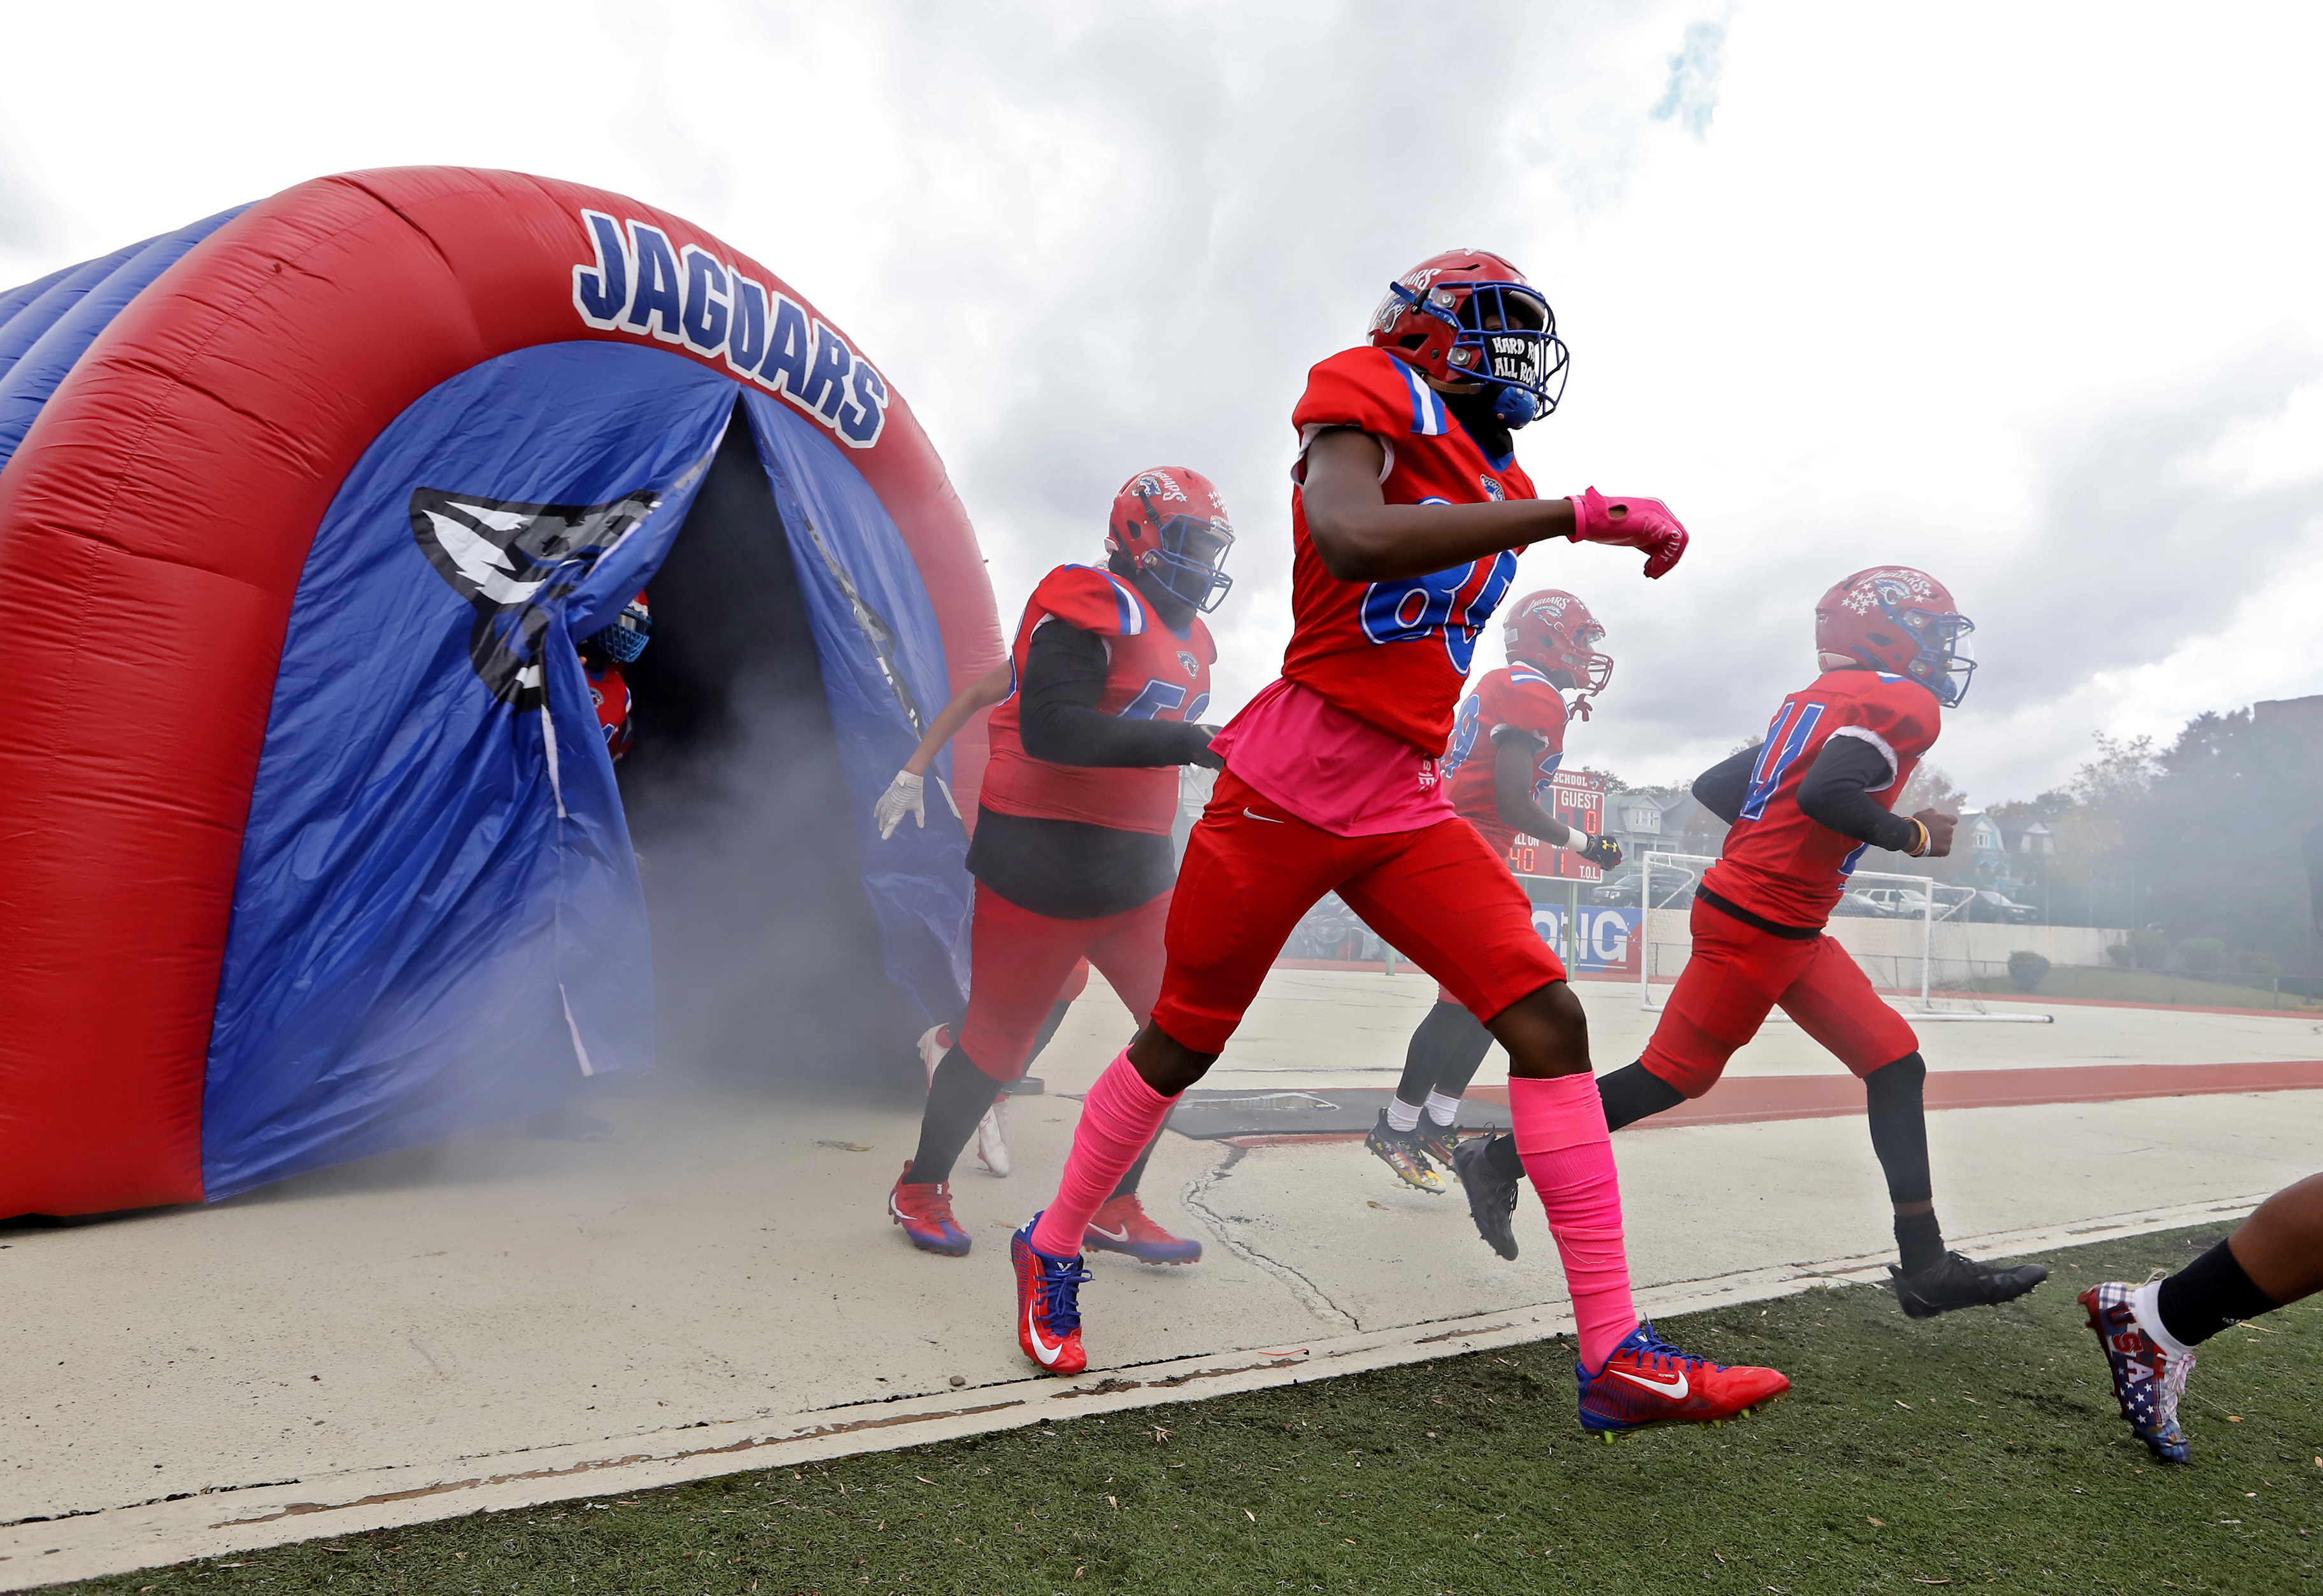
x: 1910, y: 936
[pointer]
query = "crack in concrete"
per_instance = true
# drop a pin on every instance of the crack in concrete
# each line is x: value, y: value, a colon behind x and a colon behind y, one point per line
x: 1310, y: 1296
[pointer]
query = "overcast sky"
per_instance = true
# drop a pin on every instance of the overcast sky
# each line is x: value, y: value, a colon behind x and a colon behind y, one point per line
x: 2030, y: 296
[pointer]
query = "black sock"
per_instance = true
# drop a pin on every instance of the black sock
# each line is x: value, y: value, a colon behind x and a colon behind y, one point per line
x: 1633, y: 1092
x: 1919, y: 1242
x: 957, y: 1096
x: 1136, y: 1171
x: 1048, y: 1031
x: 1892, y: 1096
x: 1501, y: 1155
x: 1444, y: 1054
x: 2208, y: 1295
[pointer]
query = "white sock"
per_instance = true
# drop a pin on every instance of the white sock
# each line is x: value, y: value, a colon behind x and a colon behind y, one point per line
x: 1442, y: 1109
x: 1402, y: 1118
x: 2146, y: 1307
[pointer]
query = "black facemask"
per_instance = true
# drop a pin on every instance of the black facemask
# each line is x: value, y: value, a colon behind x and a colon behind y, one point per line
x: 1476, y: 413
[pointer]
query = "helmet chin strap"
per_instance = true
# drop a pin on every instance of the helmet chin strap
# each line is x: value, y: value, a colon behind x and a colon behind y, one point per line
x: 1840, y: 662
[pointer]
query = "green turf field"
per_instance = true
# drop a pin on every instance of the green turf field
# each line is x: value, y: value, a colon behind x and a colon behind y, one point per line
x: 1978, y: 1450
x: 2117, y: 986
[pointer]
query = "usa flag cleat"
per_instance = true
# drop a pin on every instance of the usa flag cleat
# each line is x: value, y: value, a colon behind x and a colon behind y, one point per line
x: 1647, y: 1381
x: 1048, y: 1305
x: 2148, y: 1378
x: 1400, y: 1152
x: 1123, y: 1225
x: 1436, y: 1143
x: 924, y: 1208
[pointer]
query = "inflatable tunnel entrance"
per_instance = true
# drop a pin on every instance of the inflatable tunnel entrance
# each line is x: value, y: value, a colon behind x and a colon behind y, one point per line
x: 316, y: 848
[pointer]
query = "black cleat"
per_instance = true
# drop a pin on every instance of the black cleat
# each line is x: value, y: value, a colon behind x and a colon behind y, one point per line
x: 1436, y: 1143
x: 1959, y: 1282
x: 1491, y: 1201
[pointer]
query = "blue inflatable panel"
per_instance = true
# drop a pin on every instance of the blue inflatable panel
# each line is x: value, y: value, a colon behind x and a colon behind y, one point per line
x: 876, y: 640
x: 437, y: 921
x: 31, y: 364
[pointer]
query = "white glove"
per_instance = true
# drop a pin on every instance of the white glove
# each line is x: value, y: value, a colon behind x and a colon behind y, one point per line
x: 905, y: 795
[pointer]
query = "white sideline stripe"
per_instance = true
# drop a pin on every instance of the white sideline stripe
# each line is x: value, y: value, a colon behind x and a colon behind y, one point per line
x: 121, y: 1540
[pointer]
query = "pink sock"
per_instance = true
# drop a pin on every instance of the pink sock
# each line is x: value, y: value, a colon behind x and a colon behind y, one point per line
x: 1560, y: 1129
x: 1120, y: 1115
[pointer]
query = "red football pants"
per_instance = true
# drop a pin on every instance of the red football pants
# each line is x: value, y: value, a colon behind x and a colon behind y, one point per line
x: 1737, y: 974
x: 1439, y: 895
x: 1022, y: 961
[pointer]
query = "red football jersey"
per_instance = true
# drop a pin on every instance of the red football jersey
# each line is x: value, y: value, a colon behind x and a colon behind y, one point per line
x: 609, y: 690
x: 1153, y: 673
x: 1395, y: 654
x: 1513, y: 695
x: 1777, y: 862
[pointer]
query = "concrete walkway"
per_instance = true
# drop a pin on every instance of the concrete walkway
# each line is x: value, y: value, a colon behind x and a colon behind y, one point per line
x: 501, y: 1321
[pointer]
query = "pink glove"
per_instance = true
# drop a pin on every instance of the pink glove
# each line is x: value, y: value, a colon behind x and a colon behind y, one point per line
x: 1630, y: 523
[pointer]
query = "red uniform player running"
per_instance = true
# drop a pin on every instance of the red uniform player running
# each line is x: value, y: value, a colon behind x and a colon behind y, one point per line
x: 1801, y: 806
x: 1107, y: 682
x: 1407, y: 509
x: 1505, y: 748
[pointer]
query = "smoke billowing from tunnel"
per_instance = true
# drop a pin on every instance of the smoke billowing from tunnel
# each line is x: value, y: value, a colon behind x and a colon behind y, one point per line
x: 767, y: 956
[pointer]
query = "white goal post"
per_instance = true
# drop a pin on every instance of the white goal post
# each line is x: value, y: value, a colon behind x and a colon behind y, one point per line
x: 1689, y: 868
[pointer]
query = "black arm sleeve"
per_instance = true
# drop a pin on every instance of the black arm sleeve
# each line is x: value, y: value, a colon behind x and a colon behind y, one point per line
x: 1836, y: 793
x: 1064, y: 682
x: 1720, y: 788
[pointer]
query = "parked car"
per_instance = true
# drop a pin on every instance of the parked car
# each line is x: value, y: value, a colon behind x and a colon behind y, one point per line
x: 1993, y: 907
x: 1895, y: 903
x: 1673, y: 888
x: 1860, y: 902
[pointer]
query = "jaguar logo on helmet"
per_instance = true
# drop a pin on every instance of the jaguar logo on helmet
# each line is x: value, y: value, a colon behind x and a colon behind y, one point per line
x: 512, y: 563
x: 1159, y: 484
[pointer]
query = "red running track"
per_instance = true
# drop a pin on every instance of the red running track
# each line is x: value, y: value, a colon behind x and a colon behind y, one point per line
x: 1751, y: 1099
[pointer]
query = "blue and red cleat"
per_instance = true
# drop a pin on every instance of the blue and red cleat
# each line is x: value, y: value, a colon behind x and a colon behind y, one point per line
x: 923, y: 1209
x: 2148, y: 1378
x: 1647, y: 1381
x: 1123, y: 1225
x: 1048, y: 1305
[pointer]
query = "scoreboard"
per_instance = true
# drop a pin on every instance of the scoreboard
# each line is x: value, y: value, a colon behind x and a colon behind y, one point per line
x: 1578, y: 799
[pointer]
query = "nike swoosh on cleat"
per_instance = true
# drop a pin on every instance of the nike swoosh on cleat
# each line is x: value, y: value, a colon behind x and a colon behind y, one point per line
x: 1041, y: 1349
x: 1674, y: 1389
x: 1111, y: 1236
x: 1269, y: 819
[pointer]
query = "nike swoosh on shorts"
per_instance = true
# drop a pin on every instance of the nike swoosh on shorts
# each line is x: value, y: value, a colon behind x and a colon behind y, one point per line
x: 1269, y: 819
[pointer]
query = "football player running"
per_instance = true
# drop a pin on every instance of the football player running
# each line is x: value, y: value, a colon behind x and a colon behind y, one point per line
x: 2149, y: 1332
x: 1801, y: 807
x: 1506, y: 747
x: 1071, y: 856
x: 1408, y: 508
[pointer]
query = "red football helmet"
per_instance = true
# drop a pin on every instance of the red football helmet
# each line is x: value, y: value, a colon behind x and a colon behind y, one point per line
x: 624, y: 637
x: 1171, y: 523
x: 1897, y: 620
x: 1552, y: 630
x: 1467, y: 316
